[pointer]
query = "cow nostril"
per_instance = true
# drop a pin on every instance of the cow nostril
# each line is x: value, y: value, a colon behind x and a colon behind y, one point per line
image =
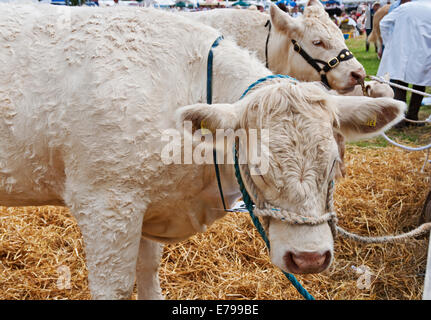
x: 307, y: 262
x: 358, y: 75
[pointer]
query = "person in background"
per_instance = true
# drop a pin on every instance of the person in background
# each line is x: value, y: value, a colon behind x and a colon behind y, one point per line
x: 369, y: 14
x: 406, y: 34
x: 395, y: 5
x: 295, y: 12
x: 361, y: 18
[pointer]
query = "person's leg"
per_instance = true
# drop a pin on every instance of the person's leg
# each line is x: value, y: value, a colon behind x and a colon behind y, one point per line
x: 400, y: 94
x: 415, y: 103
x: 367, y: 44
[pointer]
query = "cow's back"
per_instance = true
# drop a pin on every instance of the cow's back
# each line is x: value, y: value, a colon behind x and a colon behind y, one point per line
x: 246, y: 27
x: 88, y: 84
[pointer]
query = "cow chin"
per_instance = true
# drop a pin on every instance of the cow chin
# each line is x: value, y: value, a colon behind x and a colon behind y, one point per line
x: 345, y: 90
x: 341, y: 85
x: 300, y: 249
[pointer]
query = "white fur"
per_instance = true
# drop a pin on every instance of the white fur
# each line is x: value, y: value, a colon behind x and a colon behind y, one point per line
x: 85, y: 95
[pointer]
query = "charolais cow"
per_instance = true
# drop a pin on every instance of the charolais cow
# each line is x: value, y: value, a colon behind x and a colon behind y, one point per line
x: 316, y: 35
x: 250, y: 31
x: 88, y: 110
x: 314, y: 32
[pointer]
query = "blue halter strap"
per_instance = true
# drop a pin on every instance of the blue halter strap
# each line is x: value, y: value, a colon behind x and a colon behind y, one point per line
x: 272, y: 76
x: 210, y: 70
x: 246, y: 197
x: 249, y: 202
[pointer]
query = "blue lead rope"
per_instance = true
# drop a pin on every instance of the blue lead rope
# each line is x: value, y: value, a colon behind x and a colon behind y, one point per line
x: 272, y: 76
x: 210, y: 70
x: 247, y: 200
x: 250, y: 206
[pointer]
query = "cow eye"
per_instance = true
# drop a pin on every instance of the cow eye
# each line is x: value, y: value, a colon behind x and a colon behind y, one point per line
x: 318, y: 43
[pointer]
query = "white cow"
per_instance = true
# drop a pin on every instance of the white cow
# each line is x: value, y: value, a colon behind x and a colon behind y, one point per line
x: 85, y: 98
x: 316, y: 33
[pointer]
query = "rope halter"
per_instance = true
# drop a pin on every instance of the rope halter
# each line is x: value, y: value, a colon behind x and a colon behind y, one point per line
x: 264, y: 209
x: 259, y: 208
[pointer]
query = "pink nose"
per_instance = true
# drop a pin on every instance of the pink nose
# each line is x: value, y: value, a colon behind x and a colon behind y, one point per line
x: 358, y: 75
x: 307, y: 262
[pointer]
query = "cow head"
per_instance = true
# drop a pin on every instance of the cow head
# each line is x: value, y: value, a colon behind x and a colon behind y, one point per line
x: 320, y: 38
x: 301, y: 119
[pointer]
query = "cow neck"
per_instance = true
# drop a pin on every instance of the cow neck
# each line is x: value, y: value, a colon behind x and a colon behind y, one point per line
x: 219, y: 67
x: 275, y: 48
x: 231, y: 72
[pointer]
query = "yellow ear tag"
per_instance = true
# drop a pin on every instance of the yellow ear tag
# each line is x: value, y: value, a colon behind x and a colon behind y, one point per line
x: 371, y: 122
x: 204, y: 131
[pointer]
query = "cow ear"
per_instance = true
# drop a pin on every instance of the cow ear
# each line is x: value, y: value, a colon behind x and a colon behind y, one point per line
x: 208, y: 116
x: 283, y: 7
x: 284, y: 23
x: 364, y: 117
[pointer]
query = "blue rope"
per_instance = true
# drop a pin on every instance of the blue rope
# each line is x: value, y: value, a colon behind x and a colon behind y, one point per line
x: 247, y: 200
x: 249, y: 205
x: 210, y: 70
x: 272, y: 76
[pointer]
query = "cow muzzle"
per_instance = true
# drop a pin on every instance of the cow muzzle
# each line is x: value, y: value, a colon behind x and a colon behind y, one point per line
x: 307, y: 262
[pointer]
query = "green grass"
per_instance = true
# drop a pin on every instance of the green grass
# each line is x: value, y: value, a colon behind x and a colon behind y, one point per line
x: 411, y: 135
x: 368, y: 59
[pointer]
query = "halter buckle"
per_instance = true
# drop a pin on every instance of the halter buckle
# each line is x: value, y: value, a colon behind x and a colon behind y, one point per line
x: 296, y: 47
x: 333, y: 62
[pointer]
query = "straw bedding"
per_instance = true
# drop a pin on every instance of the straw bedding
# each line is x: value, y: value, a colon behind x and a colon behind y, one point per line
x: 383, y: 193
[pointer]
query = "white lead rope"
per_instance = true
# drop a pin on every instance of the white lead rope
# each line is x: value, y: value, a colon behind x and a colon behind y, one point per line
x: 428, y: 146
x: 382, y: 80
x: 427, y: 120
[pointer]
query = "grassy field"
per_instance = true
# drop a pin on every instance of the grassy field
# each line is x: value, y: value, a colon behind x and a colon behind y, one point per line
x: 368, y: 59
x: 412, y: 135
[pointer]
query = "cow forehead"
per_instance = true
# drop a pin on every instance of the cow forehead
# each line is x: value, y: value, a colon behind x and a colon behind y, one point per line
x: 300, y: 170
x: 303, y: 138
x: 320, y: 25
